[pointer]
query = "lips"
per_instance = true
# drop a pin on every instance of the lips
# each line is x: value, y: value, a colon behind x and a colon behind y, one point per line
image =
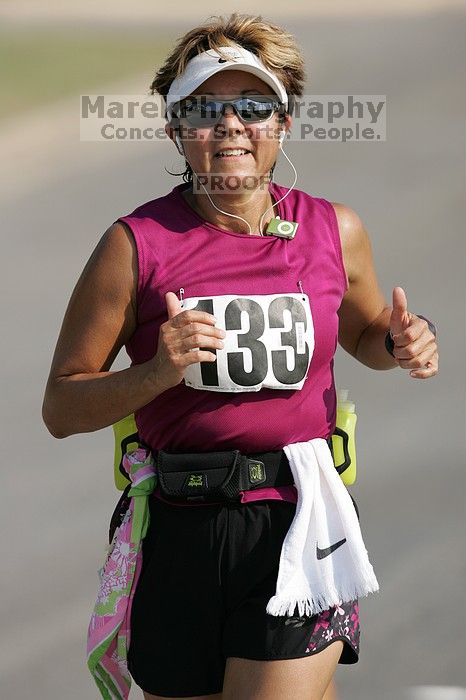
x: 232, y: 152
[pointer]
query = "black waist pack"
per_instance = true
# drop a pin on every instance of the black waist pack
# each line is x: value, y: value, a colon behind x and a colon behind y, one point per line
x: 217, y: 476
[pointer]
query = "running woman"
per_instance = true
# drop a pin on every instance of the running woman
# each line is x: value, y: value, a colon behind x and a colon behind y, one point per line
x: 231, y: 317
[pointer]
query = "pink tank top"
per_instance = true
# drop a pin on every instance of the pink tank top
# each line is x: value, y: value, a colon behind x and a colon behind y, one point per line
x: 178, y: 249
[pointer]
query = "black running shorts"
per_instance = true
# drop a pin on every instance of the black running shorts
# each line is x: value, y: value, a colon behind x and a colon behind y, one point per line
x: 207, y: 575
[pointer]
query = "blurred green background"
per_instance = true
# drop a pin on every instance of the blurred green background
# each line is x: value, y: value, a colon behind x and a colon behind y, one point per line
x: 40, y: 66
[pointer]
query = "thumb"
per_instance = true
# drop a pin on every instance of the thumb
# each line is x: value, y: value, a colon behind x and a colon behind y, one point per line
x: 173, y: 304
x: 399, y: 319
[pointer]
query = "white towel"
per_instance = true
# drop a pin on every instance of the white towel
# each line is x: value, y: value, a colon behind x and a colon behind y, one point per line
x: 325, y: 515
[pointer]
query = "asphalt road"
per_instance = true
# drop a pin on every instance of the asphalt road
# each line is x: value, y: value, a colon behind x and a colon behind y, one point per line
x: 409, y: 191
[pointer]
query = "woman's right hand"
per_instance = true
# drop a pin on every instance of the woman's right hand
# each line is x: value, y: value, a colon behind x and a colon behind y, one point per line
x: 184, y: 331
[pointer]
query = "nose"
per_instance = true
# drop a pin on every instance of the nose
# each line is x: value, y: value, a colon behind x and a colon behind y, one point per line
x: 229, y: 123
x: 231, y: 118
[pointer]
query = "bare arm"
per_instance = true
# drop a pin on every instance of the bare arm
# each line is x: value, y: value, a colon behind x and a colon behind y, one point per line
x: 364, y: 313
x: 81, y: 394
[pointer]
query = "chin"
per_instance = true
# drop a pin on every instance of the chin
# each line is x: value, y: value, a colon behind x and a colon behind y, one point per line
x: 234, y: 180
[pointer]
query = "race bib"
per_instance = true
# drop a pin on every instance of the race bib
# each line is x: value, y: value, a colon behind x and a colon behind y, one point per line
x: 269, y: 342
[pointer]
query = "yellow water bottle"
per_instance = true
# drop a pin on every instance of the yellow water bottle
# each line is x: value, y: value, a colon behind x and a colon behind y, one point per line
x: 343, y: 439
x: 126, y: 435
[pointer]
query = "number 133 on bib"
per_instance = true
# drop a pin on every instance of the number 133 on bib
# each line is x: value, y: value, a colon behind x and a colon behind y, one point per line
x: 269, y: 342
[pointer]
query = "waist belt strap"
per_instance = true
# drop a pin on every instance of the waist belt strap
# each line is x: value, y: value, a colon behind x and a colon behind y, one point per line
x: 196, y: 475
x: 204, y: 475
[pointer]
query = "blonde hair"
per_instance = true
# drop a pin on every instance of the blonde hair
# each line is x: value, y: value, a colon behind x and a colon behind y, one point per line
x: 275, y: 47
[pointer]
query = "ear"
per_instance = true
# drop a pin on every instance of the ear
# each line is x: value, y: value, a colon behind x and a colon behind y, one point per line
x: 171, y: 132
x: 287, y: 123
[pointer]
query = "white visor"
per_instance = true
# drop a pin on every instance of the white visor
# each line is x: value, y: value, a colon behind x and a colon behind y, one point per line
x: 208, y: 63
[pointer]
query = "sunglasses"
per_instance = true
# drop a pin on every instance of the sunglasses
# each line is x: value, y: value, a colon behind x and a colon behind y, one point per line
x: 204, y: 111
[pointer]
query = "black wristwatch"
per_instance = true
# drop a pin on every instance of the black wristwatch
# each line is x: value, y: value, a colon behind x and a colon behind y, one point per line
x: 390, y: 344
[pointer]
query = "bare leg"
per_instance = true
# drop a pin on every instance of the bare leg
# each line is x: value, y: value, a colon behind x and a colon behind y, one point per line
x: 331, y: 692
x: 216, y: 696
x: 301, y: 679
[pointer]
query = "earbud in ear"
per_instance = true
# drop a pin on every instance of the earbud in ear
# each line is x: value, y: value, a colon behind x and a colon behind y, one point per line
x: 179, y: 145
x: 281, y: 136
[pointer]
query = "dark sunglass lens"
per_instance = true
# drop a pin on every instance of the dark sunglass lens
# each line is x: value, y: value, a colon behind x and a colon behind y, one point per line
x: 202, y: 112
x: 254, y: 110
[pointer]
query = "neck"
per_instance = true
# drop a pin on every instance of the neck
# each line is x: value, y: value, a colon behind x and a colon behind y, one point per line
x: 248, y: 205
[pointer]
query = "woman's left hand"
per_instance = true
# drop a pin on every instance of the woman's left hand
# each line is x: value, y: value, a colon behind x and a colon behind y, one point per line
x: 415, y: 345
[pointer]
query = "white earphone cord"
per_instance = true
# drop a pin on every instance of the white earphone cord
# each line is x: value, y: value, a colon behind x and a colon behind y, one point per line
x: 240, y: 217
x: 285, y: 195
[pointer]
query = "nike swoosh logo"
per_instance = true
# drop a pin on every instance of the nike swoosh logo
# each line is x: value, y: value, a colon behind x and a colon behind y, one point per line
x: 322, y: 553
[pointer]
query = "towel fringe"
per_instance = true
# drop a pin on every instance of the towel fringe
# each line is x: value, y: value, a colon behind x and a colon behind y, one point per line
x: 317, y: 603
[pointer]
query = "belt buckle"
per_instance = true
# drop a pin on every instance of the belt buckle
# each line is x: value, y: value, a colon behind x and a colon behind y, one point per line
x: 256, y: 472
